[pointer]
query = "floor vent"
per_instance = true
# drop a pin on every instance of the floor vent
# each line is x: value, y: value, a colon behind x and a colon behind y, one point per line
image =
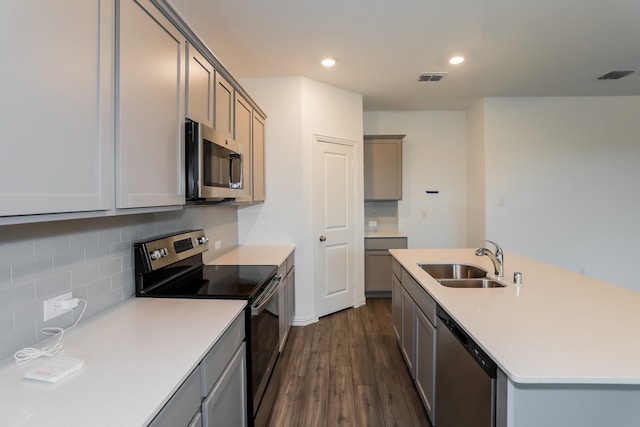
x: 614, y: 75
x: 431, y: 77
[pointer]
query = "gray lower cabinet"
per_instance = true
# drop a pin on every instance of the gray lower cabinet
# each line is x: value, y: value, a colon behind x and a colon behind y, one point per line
x: 377, y: 263
x: 182, y: 406
x: 396, y: 305
x: 224, y: 380
x: 221, y: 379
x: 408, y: 342
x: 414, y: 322
x: 226, y: 404
x: 287, y: 298
x: 425, y: 361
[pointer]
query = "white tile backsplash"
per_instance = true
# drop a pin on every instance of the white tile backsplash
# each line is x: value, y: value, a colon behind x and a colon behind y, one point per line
x: 91, y: 257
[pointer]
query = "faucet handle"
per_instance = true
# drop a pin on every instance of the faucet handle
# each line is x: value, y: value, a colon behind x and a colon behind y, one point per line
x: 499, y: 252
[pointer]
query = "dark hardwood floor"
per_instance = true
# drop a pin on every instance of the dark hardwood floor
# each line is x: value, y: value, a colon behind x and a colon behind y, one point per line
x: 347, y: 370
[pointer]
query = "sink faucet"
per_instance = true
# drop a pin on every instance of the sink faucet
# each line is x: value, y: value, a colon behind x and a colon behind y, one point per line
x: 497, y: 259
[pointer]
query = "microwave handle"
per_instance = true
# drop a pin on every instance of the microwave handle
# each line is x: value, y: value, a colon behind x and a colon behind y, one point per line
x: 233, y: 157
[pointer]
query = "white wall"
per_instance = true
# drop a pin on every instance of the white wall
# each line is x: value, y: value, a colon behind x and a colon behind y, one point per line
x: 297, y: 108
x: 567, y: 171
x: 433, y: 158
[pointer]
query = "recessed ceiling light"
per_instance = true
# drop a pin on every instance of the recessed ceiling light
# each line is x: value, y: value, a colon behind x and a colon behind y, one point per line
x: 456, y: 60
x: 328, y: 62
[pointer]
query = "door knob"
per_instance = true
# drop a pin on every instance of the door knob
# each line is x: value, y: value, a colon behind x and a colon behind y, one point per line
x: 322, y: 238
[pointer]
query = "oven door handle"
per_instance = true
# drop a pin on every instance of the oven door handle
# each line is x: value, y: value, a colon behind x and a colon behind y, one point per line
x: 263, y: 300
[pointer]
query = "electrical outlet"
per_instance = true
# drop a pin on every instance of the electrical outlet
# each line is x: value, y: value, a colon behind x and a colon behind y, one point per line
x: 53, y: 308
x: 217, y: 244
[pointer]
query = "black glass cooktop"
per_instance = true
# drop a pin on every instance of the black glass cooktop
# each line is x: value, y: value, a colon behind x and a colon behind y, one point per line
x: 218, y: 281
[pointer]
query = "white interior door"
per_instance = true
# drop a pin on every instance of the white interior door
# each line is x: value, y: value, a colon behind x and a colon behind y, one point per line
x: 334, y: 207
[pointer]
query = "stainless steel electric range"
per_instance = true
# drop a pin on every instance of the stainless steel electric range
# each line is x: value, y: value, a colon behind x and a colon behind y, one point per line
x: 171, y: 266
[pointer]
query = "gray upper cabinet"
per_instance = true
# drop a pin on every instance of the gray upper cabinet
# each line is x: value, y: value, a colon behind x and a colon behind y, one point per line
x: 224, y: 103
x: 243, y: 124
x: 56, y: 112
x: 258, y: 144
x: 383, y: 167
x: 200, y: 85
x: 94, y: 106
x: 150, y: 119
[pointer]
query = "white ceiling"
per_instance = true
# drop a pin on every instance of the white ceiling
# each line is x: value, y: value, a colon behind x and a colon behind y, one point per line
x: 512, y: 47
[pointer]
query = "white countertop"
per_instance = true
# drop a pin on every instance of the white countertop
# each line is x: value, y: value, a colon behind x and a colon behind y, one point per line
x: 254, y: 255
x: 383, y: 234
x: 557, y: 327
x: 136, y: 356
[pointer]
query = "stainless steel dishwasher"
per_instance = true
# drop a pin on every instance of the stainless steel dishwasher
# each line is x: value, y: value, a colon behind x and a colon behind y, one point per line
x: 465, y: 378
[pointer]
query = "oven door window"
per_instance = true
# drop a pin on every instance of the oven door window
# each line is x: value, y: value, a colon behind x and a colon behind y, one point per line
x: 217, y: 165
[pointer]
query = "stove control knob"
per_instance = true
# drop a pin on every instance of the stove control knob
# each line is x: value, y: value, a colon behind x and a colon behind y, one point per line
x: 158, y: 253
x: 202, y: 240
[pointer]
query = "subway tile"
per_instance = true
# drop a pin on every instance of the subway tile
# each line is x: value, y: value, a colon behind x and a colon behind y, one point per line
x: 99, y: 287
x: 18, y: 252
x: 131, y: 233
x: 121, y: 249
x: 85, y: 274
x: 108, y: 236
x: 47, y: 247
x: 69, y: 261
x: 31, y: 270
x: 53, y: 285
x: 83, y: 240
x: 5, y: 276
x: 121, y: 279
x: 127, y: 263
x: 94, y: 254
x: 28, y: 312
x: 128, y: 291
x: 110, y: 267
x: 22, y: 336
x: 6, y: 320
x: 18, y: 294
x: 111, y: 299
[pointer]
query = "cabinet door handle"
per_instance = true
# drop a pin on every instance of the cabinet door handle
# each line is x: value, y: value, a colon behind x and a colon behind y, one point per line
x: 322, y: 238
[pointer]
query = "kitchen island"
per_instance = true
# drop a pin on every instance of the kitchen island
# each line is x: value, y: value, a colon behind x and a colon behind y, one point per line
x: 567, y: 346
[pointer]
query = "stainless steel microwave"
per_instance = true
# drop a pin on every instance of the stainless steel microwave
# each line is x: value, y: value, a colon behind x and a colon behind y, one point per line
x: 214, y: 166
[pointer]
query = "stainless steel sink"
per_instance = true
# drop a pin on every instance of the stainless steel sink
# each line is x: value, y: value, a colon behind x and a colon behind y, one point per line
x: 471, y: 283
x: 453, y: 271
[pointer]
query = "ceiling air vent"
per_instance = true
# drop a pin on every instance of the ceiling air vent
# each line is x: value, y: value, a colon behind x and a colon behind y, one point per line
x: 614, y: 75
x: 431, y: 77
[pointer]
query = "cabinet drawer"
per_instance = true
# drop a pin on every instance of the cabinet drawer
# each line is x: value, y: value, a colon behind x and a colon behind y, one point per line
x: 420, y: 296
x: 385, y: 243
x: 217, y: 359
x: 182, y: 406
